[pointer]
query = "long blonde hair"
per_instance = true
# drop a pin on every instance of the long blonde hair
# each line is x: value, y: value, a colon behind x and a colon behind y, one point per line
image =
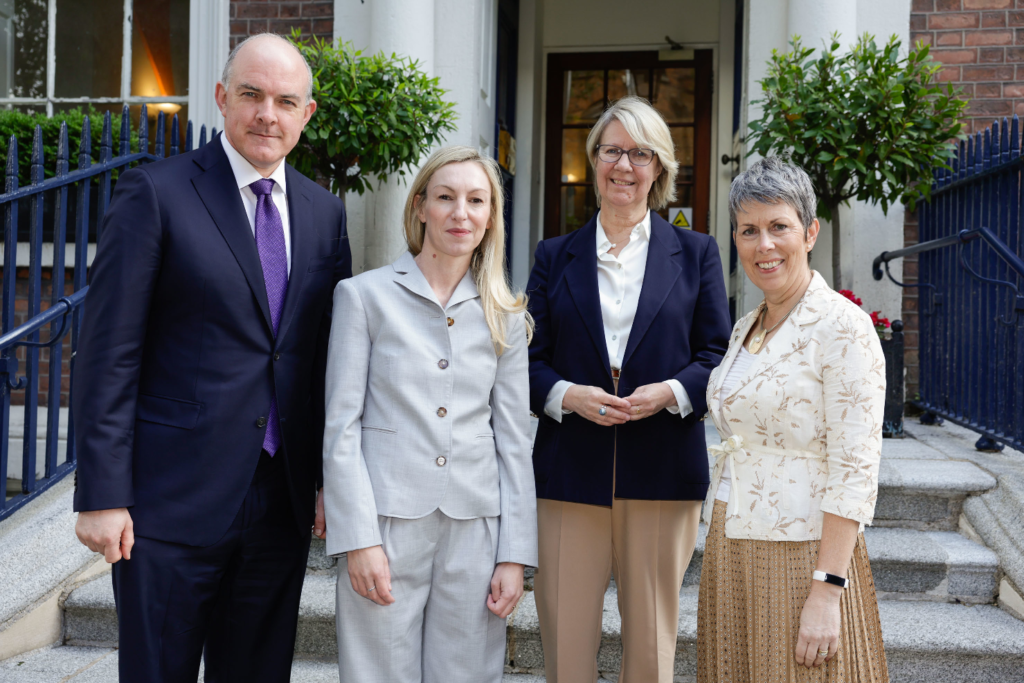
x: 488, y: 262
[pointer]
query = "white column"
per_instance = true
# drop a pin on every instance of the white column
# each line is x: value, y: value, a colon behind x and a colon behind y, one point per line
x: 527, y: 227
x: 209, y: 40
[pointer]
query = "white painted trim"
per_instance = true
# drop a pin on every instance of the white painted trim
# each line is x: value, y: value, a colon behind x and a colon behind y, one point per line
x: 208, y: 48
x: 51, y: 52
x: 126, y: 51
x: 23, y: 255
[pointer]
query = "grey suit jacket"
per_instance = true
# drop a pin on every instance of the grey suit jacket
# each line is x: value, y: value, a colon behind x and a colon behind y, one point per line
x: 422, y: 414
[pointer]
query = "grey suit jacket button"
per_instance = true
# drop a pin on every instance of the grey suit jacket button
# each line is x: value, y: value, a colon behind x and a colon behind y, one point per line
x: 441, y: 412
x: 261, y: 422
x: 441, y: 460
x: 443, y: 364
x: 451, y: 321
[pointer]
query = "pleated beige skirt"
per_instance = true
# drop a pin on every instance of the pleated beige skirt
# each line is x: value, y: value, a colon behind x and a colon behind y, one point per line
x: 751, y: 595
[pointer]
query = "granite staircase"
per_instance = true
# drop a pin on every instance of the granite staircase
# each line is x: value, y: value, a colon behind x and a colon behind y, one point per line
x: 938, y: 587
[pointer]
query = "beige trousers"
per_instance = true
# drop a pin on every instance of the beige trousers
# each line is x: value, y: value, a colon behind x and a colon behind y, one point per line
x: 647, y: 545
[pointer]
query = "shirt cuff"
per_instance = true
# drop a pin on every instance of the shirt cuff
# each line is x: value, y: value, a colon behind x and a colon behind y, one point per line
x: 553, y: 406
x: 683, y: 406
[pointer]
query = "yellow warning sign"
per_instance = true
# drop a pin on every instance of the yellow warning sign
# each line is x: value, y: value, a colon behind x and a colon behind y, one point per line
x: 681, y: 217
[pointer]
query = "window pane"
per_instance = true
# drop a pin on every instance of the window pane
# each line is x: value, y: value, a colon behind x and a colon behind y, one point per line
x: 673, y: 94
x: 583, y: 96
x: 578, y: 206
x: 628, y: 82
x: 89, y: 48
x: 575, y: 165
x: 682, y: 138
x: 160, y: 48
x: 23, y: 30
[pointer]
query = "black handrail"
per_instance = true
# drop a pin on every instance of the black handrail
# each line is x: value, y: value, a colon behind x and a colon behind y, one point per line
x: 963, y: 237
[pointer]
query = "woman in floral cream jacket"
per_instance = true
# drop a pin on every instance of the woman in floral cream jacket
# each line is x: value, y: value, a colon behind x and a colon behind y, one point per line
x: 786, y: 592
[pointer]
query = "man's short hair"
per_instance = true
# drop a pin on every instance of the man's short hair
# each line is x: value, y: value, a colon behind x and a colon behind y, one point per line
x: 225, y: 77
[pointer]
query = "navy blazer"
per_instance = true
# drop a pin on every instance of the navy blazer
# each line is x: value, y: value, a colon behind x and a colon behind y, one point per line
x: 177, y: 360
x: 681, y: 330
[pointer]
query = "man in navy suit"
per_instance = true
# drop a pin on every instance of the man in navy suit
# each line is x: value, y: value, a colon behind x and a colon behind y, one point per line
x: 198, y: 404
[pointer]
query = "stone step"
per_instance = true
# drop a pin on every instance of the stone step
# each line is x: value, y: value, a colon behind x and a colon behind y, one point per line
x: 71, y: 664
x: 924, y: 641
x: 926, y: 494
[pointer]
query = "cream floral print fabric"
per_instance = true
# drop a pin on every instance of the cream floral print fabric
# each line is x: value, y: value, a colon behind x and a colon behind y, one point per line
x: 803, y: 427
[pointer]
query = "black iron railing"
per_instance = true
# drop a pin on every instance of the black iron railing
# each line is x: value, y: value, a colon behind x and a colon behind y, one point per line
x: 971, y: 280
x: 64, y: 312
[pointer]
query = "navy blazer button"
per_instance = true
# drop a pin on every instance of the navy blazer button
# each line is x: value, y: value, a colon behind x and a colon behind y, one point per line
x: 277, y: 356
x: 441, y: 460
x: 441, y: 412
x: 451, y: 321
x: 443, y: 364
x: 261, y: 422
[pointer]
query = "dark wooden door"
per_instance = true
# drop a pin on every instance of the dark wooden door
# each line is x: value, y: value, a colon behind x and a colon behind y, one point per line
x: 580, y: 88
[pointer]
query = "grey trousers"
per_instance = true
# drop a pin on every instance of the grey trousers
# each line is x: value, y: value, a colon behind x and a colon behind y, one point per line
x: 439, y: 629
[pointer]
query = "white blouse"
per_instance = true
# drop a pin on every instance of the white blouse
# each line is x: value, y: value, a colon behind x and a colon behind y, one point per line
x: 739, y: 368
x: 619, y: 281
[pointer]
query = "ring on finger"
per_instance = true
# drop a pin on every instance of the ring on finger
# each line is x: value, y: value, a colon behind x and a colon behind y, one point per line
x: 823, y: 653
x: 603, y: 411
x: 371, y: 588
x: 638, y: 410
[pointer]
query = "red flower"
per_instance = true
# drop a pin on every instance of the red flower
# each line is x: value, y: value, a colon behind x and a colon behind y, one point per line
x: 850, y: 295
x: 880, y: 323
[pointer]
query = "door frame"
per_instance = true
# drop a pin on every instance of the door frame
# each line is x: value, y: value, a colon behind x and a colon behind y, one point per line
x: 560, y: 62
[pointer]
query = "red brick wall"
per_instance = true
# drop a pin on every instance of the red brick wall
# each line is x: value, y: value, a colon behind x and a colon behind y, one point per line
x: 249, y: 17
x: 21, y: 317
x: 981, y: 46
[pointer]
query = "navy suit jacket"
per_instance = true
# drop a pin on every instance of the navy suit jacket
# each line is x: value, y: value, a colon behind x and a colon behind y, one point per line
x: 681, y: 331
x: 177, y: 360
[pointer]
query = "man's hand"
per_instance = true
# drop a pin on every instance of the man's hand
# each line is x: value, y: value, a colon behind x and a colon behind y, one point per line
x: 107, y: 531
x: 320, y: 523
x: 506, y: 589
x: 370, y: 574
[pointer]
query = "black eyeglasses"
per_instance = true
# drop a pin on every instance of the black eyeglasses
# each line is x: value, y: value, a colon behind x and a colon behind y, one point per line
x: 638, y: 156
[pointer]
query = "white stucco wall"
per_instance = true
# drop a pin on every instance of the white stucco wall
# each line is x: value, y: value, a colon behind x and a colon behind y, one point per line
x: 866, y: 231
x: 455, y: 41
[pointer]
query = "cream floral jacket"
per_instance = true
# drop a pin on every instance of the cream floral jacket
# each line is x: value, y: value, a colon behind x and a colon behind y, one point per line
x: 803, y: 427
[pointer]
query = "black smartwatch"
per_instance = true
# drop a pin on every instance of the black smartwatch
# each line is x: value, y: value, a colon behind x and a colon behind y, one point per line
x: 831, y: 578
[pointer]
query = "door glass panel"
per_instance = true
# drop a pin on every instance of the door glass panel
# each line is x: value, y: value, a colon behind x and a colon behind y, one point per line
x: 575, y: 165
x: 579, y: 204
x: 89, y: 48
x: 673, y: 94
x: 25, y: 74
x: 682, y: 138
x: 160, y: 48
x: 583, y: 99
x: 684, y: 198
x: 626, y: 83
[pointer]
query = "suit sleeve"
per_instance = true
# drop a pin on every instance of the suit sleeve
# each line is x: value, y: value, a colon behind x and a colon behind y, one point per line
x: 109, y: 357
x: 349, y: 503
x: 542, y: 376
x: 510, y: 419
x: 342, y: 271
x: 709, y: 330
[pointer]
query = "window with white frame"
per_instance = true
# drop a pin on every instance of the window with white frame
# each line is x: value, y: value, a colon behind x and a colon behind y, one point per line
x: 62, y: 54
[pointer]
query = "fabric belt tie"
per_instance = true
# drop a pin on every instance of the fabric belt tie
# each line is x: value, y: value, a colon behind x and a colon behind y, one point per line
x: 733, y: 446
x: 274, y: 260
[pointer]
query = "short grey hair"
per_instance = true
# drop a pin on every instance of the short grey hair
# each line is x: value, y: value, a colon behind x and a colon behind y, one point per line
x: 772, y: 180
x: 646, y: 126
x: 225, y: 76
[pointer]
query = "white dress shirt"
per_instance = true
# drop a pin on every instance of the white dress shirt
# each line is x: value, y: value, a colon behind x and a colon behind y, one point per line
x: 619, y: 281
x: 245, y: 175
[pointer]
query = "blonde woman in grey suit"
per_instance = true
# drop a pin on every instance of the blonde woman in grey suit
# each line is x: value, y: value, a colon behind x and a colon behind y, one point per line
x: 428, y: 481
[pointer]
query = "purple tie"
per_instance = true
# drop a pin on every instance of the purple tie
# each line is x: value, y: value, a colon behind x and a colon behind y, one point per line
x: 274, y: 259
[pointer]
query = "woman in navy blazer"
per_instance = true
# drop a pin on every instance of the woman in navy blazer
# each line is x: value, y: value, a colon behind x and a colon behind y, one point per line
x: 631, y: 318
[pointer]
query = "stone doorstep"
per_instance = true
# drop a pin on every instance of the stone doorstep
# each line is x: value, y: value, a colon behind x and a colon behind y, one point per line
x: 926, y: 494
x: 69, y: 664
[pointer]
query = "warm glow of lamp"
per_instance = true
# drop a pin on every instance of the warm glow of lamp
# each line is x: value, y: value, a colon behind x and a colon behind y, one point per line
x: 570, y: 178
x: 168, y: 108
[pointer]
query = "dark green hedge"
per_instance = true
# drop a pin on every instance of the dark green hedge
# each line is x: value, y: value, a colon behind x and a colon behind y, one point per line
x: 23, y: 126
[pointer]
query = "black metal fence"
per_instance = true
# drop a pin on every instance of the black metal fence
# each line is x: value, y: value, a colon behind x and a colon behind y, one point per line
x: 971, y: 280
x: 64, y: 312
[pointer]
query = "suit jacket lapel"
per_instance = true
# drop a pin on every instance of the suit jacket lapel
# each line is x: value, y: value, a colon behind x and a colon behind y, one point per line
x: 300, y: 216
x: 581, y: 278
x: 217, y: 188
x: 660, y: 275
